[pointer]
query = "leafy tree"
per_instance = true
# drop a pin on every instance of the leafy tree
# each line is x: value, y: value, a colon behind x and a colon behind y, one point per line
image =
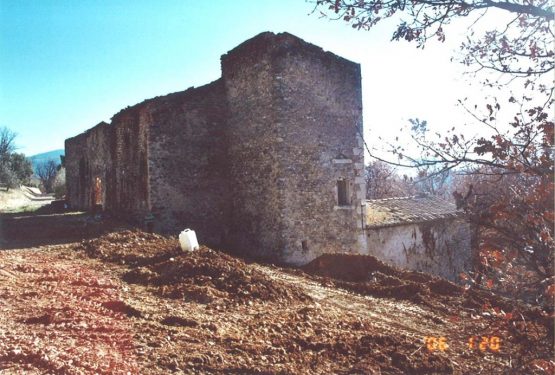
x: 47, y: 172
x: 14, y: 168
x: 514, y: 213
x: 21, y: 167
x: 7, y: 176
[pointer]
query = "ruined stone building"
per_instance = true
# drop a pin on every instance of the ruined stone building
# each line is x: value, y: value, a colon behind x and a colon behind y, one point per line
x: 267, y: 160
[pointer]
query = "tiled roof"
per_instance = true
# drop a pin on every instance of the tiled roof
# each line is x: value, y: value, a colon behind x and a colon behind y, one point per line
x: 408, y: 210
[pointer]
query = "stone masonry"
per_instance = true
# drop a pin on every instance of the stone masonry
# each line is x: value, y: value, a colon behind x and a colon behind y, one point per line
x: 266, y: 161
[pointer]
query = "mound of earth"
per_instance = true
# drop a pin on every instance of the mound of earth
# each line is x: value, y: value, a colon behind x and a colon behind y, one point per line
x: 203, y: 276
x: 134, y: 248
x: 366, y: 274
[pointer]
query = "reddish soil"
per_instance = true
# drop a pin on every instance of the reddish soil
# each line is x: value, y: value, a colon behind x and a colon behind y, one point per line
x: 133, y: 302
x: 521, y: 326
x: 369, y: 276
x: 202, y: 276
x: 61, y: 317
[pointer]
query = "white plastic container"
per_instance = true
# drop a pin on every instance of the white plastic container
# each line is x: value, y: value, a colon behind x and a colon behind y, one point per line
x: 188, y: 240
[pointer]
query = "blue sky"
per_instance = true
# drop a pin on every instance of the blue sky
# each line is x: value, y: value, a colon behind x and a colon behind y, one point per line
x: 67, y: 65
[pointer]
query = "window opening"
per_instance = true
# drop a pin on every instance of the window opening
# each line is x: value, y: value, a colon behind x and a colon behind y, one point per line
x: 342, y: 194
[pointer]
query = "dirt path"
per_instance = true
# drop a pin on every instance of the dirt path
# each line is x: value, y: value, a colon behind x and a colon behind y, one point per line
x: 394, y: 318
x: 383, y: 313
x: 22, y: 199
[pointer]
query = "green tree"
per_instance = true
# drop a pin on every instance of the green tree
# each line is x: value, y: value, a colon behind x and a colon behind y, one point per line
x: 7, y: 176
x: 21, y: 167
x: 15, y: 169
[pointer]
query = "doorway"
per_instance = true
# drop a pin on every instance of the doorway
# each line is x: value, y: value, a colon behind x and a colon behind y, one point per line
x: 97, y: 194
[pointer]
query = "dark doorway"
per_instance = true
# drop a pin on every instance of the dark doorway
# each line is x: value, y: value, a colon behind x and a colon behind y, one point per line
x: 97, y: 193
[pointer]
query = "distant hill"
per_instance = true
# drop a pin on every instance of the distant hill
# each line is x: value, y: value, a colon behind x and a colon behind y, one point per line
x: 38, y: 159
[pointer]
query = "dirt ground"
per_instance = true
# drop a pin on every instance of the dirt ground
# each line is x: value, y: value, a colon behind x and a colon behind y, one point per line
x: 132, y: 302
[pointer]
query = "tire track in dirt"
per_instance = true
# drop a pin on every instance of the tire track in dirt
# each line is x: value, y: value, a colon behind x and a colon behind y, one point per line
x: 387, y: 314
x: 391, y: 316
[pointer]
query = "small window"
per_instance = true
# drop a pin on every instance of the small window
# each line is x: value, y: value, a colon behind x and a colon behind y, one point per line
x: 304, y: 245
x: 342, y: 194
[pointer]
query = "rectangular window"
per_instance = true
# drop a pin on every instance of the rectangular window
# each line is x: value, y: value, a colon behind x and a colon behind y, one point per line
x: 342, y: 193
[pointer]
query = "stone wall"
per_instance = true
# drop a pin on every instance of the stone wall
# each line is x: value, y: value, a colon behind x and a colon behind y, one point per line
x: 266, y: 161
x: 108, y: 163
x: 88, y: 164
x: 187, y: 162
x: 165, y: 156
x: 255, y: 161
x: 319, y: 117
x: 294, y: 114
x: 441, y: 247
x: 254, y: 151
x: 130, y: 197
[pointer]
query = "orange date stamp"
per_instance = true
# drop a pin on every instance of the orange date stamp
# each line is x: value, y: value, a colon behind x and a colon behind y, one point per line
x: 481, y: 343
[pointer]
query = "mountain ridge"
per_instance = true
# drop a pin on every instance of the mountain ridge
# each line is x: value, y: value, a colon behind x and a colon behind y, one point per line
x: 44, y: 157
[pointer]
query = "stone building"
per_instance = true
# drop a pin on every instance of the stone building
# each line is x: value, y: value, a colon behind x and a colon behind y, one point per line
x: 266, y: 161
x: 421, y: 233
